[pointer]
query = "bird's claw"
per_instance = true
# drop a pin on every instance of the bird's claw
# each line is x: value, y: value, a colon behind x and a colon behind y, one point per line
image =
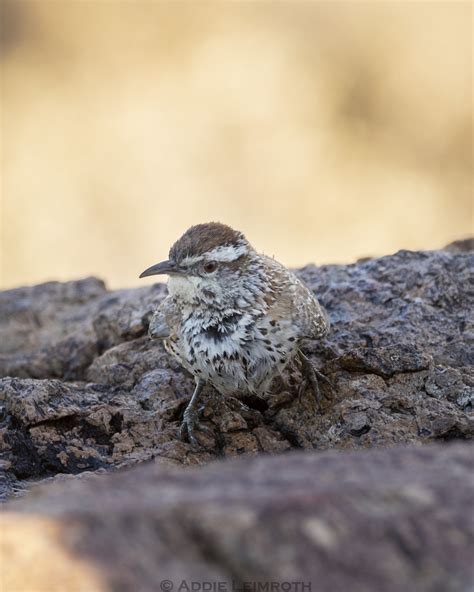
x: 189, y: 428
x: 311, y: 379
x: 302, y: 389
x: 324, y: 378
x: 238, y: 406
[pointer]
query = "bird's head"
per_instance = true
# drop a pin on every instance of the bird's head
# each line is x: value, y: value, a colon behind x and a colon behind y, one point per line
x: 207, y: 263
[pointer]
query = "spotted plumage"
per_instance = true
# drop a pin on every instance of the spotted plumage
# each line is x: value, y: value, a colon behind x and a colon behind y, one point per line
x: 233, y: 318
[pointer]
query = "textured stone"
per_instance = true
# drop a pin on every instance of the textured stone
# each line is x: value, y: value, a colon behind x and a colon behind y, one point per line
x: 85, y: 389
x: 369, y: 521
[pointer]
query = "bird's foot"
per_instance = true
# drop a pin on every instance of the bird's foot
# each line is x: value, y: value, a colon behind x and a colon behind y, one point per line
x: 238, y: 406
x: 190, y: 427
x: 311, y: 379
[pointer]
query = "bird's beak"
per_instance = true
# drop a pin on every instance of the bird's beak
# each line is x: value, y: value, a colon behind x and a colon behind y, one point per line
x: 164, y: 268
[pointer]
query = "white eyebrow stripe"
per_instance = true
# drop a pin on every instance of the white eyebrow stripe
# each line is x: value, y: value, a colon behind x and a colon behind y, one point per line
x: 229, y: 253
x: 191, y: 260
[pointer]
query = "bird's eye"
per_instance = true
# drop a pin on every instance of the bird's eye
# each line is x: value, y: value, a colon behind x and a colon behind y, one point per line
x: 210, y: 266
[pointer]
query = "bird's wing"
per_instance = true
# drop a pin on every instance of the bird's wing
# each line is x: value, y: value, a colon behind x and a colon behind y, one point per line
x: 162, y: 320
x: 294, y: 300
x: 310, y: 315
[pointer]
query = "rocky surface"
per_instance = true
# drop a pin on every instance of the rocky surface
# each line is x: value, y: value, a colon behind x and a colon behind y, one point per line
x: 388, y: 520
x: 84, y: 388
x: 85, y: 393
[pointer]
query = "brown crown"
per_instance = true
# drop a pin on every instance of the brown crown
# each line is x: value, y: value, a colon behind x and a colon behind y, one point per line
x: 202, y: 238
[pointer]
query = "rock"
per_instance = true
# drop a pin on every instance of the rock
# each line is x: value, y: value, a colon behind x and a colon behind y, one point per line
x: 461, y: 246
x: 57, y: 329
x: 374, y: 521
x: 384, y: 361
x: 85, y: 389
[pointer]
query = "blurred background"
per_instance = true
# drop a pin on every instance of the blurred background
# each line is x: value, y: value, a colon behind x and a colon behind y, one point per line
x: 326, y: 131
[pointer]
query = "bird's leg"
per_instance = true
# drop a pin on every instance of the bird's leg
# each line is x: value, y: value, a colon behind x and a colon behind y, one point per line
x: 190, y: 424
x: 311, y: 377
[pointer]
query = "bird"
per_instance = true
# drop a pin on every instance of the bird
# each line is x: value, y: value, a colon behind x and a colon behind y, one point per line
x: 233, y: 317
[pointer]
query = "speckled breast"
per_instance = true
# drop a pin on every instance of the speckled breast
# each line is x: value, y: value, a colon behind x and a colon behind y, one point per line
x: 243, y: 360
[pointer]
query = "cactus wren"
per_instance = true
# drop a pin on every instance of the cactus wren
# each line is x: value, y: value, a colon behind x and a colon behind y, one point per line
x: 233, y: 318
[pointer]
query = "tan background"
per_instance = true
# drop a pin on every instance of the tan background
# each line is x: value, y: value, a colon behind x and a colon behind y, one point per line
x: 325, y: 131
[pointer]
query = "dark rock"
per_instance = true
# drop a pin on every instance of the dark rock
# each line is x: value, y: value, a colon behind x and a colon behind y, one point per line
x: 55, y: 330
x: 375, y: 521
x: 461, y: 246
x: 85, y: 389
x: 384, y: 361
